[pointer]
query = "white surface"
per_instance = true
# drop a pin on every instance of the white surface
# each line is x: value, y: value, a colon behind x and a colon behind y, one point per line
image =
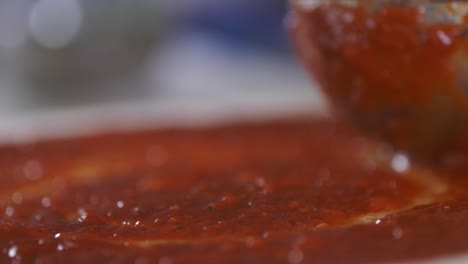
x: 156, y: 113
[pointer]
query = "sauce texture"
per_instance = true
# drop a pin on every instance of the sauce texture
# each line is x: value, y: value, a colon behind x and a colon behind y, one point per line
x: 398, y: 71
x: 290, y: 191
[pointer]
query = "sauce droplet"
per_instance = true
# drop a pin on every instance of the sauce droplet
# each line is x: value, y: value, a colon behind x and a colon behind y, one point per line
x: 46, y: 202
x: 165, y: 260
x: 33, y: 170
x: 17, y: 198
x: 9, y: 211
x: 295, y: 256
x: 444, y: 38
x: 60, y: 247
x: 397, y: 233
x: 12, y: 251
x: 400, y: 163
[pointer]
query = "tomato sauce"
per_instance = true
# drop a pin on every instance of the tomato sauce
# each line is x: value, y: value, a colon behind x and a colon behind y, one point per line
x: 303, y: 190
x: 288, y: 191
x: 394, y: 70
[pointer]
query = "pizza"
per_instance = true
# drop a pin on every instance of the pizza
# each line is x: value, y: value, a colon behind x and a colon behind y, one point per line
x: 291, y: 190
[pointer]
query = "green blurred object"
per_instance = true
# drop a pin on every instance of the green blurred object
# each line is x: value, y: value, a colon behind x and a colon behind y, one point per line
x: 103, y: 60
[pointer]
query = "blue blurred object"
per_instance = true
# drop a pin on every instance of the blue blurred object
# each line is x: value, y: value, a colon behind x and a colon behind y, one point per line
x: 246, y: 24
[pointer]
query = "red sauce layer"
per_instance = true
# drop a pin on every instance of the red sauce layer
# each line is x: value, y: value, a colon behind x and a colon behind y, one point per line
x: 311, y: 191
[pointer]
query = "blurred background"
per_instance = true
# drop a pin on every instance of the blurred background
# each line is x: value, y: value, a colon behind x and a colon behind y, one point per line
x: 68, y: 54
